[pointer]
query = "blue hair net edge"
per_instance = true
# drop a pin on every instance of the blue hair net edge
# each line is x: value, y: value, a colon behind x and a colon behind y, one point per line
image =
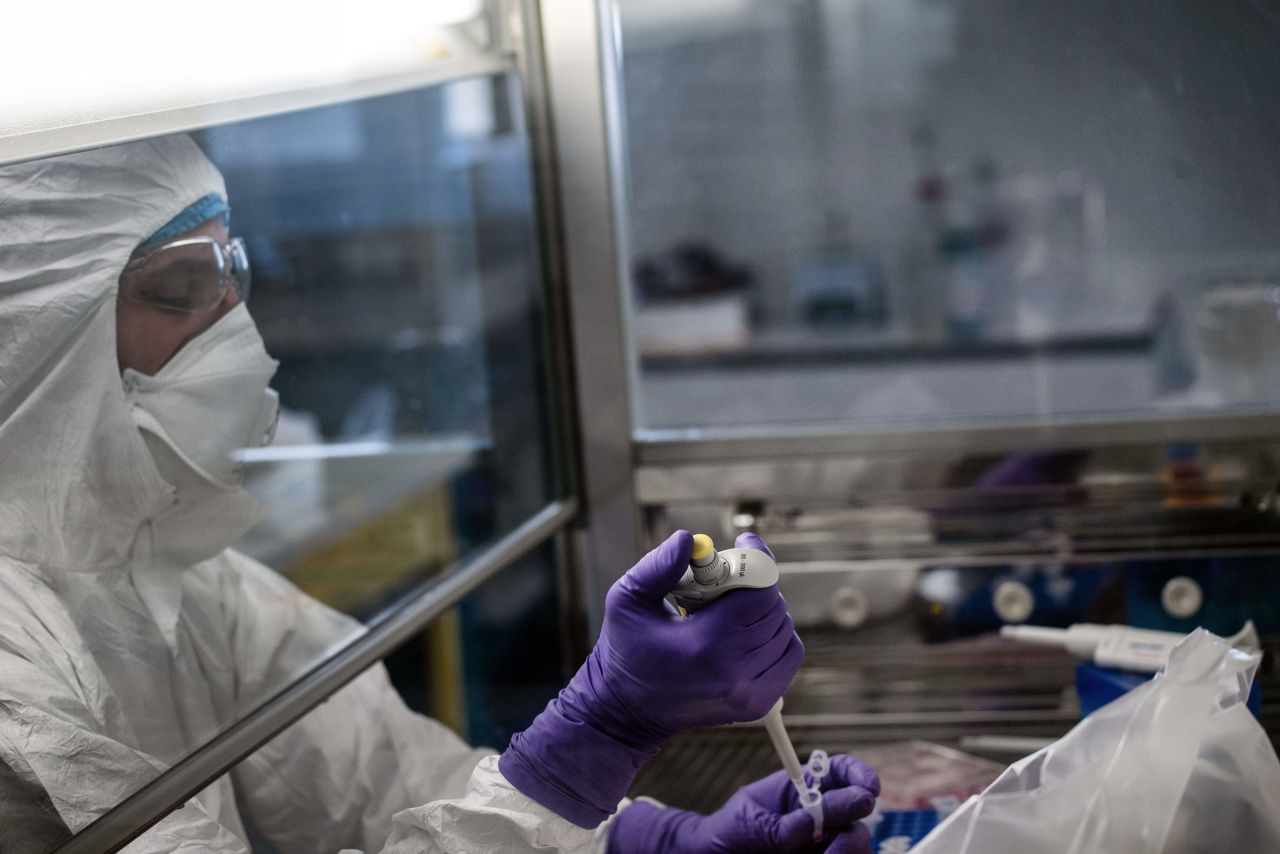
x: 201, y: 210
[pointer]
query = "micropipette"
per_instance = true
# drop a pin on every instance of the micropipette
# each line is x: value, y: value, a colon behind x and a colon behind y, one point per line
x: 712, y: 574
x: 1127, y: 648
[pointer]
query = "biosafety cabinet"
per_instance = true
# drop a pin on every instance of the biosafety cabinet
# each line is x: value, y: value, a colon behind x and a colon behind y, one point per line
x: 971, y: 308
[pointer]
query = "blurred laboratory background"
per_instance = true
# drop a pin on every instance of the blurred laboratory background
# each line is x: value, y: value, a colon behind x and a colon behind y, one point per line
x: 971, y: 308
x: 975, y: 210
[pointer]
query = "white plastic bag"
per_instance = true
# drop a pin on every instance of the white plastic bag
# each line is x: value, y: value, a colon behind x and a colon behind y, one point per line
x: 1175, y: 766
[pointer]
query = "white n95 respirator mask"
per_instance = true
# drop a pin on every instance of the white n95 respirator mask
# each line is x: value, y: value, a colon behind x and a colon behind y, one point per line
x: 210, y: 400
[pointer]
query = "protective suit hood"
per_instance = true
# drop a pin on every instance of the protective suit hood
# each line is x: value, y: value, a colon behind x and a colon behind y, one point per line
x: 115, y: 666
x: 77, y: 482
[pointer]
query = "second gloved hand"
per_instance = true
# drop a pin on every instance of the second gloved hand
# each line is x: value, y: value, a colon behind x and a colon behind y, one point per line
x: 651, y: 675
x: 764, y: 817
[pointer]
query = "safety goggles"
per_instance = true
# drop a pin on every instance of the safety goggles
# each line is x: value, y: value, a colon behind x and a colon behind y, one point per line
x: 189, y: 275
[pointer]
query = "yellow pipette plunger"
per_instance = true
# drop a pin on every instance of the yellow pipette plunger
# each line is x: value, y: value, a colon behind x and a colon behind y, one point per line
x: 703, y: 548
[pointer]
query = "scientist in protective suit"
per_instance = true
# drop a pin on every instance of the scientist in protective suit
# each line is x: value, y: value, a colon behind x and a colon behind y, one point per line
x: 130, y: 632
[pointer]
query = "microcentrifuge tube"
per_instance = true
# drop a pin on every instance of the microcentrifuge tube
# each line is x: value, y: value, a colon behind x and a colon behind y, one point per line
x: 811, y: 800
x: 819, y: 765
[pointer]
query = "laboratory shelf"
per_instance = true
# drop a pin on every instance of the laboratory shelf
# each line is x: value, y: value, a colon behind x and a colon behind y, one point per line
x: 1099, y: 532
x: 742, y: 436
x: 948, y: 507
x: 791, y: 348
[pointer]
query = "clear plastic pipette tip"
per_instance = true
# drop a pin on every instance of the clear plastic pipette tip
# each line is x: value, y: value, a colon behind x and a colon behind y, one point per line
x: 810, y: 796
x: 782, y: 744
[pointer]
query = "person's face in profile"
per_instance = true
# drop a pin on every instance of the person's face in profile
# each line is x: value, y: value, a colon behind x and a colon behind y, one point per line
x: 148, y: 332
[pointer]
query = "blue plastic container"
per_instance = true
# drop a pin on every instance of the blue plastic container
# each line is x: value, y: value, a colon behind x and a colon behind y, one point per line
x: 1098, y: 686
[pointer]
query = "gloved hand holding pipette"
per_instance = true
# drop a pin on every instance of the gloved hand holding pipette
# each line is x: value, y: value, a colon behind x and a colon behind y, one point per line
x: 798, y: 809
x: 655, y: 673
x: 651, y: 675
x: 761, y: 818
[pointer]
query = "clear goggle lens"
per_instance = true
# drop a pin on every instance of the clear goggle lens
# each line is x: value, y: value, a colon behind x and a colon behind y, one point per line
x: 188, y: 275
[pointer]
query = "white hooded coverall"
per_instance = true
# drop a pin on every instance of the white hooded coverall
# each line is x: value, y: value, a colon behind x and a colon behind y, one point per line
x: 116, y: 659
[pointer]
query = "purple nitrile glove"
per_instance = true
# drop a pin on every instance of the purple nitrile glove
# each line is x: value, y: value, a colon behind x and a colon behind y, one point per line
x: 764, y: 817
x: 651, y: 675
